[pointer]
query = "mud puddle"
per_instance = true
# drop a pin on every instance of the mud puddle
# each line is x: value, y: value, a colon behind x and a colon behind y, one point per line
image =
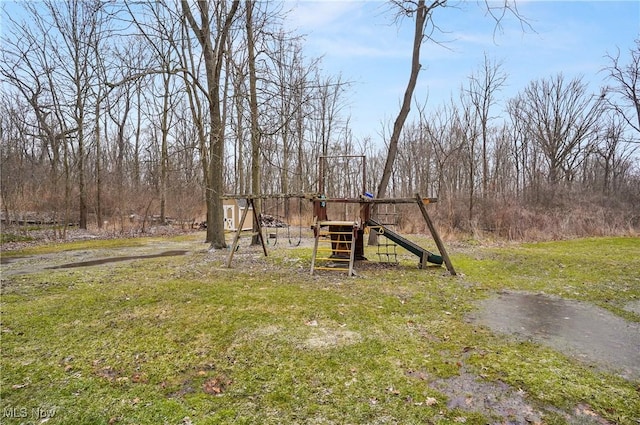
x: 584, y: 331
x: 68, y: 259
x: 633, y: 306
x: 500, y: 402
x: 494, y: 399
x: 9, y: 260
x: 101, y: 261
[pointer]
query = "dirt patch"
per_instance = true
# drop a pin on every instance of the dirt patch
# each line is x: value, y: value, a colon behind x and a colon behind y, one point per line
x: 500, y: 402
x: 330, y: 338
x: 9, y: 260
x: 65, y: 259
x: 582, y: 330
x: 47, y: 237
x: 101, y: 261
x: 493, y: 399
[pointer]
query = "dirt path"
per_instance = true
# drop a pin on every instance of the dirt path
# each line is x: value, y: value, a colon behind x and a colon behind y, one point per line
x: 17, y: 265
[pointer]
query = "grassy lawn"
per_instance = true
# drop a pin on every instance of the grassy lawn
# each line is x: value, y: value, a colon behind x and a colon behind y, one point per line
x: 182, y: 340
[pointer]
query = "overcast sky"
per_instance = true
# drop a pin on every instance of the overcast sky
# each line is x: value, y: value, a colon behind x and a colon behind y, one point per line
x: 361, y: 41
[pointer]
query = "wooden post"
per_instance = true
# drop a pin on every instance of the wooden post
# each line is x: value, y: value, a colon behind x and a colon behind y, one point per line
x: 258, y: 226
x: 423, y: 261
x: 435, y: 235
x: 316, y: 238
x: 352, y: 254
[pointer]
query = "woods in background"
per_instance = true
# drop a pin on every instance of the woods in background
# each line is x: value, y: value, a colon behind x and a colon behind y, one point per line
x: 110, y: 110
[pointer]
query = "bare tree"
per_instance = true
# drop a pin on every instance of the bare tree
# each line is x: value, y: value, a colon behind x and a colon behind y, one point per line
x: 626, y: 78
x: 20, y: 154
x: 423, y: 30
x: 560, y: 118
x: 469, y: 134
x: 288, y: 91
x: 482, y: 90
x: 422, y: 12
x: 213, y: 50
x: 79, y: 24
x: 254, y: 129
x: 612, y: 152
x: 126, y: 100
x: 328, y: 102
x: 55, y: 73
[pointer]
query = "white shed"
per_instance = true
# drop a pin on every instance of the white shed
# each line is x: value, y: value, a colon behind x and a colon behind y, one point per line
x: 233, y: 210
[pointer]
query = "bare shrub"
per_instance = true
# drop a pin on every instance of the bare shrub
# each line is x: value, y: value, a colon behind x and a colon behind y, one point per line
x: 568, y: 215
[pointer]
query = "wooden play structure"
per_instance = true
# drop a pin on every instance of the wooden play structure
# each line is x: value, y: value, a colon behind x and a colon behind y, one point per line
x: 340, y: 223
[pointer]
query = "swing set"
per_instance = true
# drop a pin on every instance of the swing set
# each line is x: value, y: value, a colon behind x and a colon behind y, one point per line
x: 344, y: 236
x: 277, y: 221
x: 264, y: 220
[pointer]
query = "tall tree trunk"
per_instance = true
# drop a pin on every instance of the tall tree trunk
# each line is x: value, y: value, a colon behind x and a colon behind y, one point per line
x: 213, y: 55
x: 164, y: 149
x: 136, y: 148
x: 82, y: 187
x: 253, y: 112
x: 421, y: 11
x: 421, y: 15
x: 98, y: 167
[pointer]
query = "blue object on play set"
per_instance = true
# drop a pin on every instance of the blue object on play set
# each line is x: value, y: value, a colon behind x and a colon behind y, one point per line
x: 368, y: 195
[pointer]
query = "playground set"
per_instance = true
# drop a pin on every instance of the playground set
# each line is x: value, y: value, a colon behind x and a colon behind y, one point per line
x: 339, y: 243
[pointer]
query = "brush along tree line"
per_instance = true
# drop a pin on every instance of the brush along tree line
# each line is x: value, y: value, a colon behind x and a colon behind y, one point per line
x: 114, y: 109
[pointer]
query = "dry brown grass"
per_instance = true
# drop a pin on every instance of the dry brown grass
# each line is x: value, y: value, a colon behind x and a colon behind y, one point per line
x: 515, y: 221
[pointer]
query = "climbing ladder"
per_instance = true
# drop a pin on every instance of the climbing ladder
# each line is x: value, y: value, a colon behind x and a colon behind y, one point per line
x: 339, y: 255
x: 387, y: 216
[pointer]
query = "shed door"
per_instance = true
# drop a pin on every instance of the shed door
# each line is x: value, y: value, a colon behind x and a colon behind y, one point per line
x: 229, y: 222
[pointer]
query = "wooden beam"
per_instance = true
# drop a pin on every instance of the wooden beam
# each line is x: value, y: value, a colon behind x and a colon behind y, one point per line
x: 435, y: 235
x: 236, y: 238
x: 376, y: 201
x: 272, y: 196
x: 403, y: 201
x: 258, y: 226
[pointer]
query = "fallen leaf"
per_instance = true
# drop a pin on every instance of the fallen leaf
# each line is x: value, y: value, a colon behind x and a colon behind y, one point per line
x: 215, y: 386
x: 431, y: 401
x: 139, y: 378
x: 393, y: 391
